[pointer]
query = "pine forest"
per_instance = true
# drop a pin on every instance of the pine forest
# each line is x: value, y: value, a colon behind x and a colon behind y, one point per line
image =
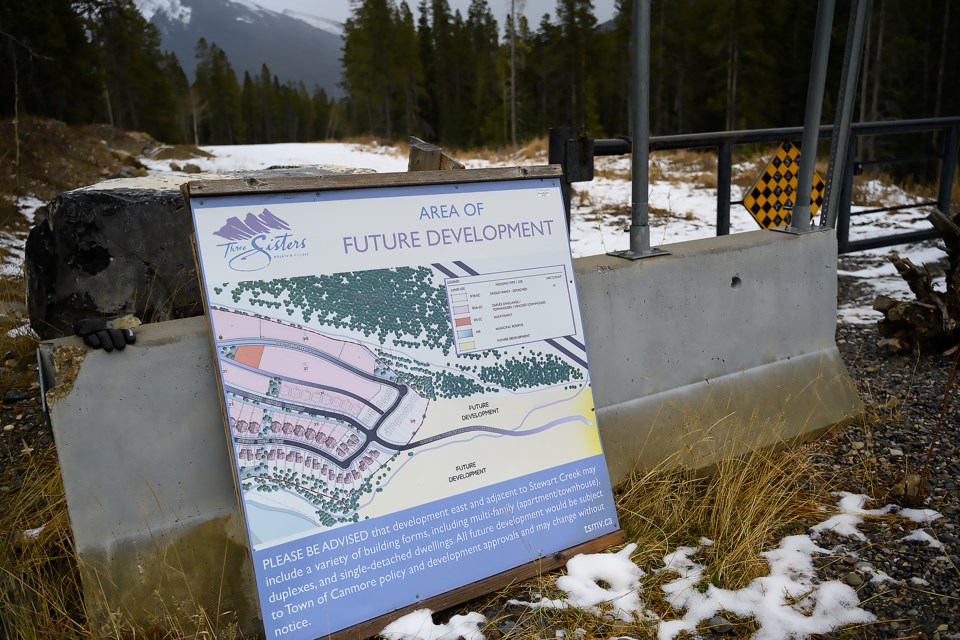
x: 466, y: 81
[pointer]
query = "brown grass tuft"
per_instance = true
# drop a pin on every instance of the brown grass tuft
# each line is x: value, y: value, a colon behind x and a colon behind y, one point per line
x: 744, y: 506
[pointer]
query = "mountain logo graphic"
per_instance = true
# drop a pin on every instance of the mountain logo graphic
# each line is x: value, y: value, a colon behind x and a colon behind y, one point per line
x: 253, y: 243
x: 236, y: 230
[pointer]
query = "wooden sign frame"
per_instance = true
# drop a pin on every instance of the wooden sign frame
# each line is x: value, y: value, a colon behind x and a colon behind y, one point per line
x: 212, y: 195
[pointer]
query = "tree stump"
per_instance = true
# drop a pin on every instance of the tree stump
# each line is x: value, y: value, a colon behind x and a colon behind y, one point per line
x: 932, y: 320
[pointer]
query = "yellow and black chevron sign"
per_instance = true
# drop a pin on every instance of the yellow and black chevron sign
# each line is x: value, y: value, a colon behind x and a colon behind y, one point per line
x: 770, y: 199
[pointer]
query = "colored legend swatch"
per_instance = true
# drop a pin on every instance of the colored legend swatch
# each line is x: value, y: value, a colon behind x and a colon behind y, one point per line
x: 510, y: 308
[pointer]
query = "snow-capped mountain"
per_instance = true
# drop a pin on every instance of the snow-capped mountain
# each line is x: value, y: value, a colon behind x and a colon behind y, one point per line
x: 296, y: 46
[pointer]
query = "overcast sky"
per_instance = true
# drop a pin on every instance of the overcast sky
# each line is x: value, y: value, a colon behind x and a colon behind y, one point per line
x: 339, y: 10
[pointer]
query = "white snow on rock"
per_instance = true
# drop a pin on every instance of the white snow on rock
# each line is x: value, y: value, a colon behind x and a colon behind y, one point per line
x: 920, y: 535
x: 584, y: 573
x: 851, y: 515
x: 418, y: 625
x: 923, y: 516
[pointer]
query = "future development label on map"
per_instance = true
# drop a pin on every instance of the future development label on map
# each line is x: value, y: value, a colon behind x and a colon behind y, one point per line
x: 406, y: 384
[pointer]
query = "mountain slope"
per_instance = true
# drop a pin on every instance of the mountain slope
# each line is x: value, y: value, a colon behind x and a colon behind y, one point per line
x: 294, y: 49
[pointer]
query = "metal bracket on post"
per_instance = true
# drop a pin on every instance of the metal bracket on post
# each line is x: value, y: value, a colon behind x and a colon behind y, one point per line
x: 640, y: 218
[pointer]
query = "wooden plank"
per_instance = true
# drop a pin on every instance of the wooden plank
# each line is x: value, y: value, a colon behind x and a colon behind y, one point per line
x: 423, y: 156
x: 240, y: 186
x: 447, y: 163
x: 479, y: 588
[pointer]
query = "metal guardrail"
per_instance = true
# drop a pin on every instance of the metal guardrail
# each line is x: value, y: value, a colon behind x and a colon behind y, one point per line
x: 576, y: 155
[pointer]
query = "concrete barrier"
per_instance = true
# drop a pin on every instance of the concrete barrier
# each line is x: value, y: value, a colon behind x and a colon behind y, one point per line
x: 723, y: 345
x: 726, y: 344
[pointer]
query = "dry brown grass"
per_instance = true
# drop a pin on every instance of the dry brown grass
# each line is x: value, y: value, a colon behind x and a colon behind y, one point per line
x: 39, y: 580
x: 744, y: 506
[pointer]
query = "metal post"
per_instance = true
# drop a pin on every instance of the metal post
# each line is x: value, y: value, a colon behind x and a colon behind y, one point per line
x: 845, y: 200
x: 640, y: 122
x: 841, y: 125
x: 800, y: 222
x: 640, y: 220
x: 724, y: 162
x: 948, y: 167
x: 557, y: 154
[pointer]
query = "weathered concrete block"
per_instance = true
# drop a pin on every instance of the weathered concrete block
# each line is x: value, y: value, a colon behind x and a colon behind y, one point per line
x: 120, y: 247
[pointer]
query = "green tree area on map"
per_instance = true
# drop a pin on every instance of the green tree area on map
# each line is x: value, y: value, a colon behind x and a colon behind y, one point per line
x: 404, y: 305
x: 534, y: 370
x: 380, y: 302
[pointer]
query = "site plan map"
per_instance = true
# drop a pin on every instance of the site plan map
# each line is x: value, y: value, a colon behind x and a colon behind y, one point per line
x: 405, y: 379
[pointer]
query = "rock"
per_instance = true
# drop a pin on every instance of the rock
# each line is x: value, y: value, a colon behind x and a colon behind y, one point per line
x: 127, y: 158
x: 124, y: 172
x: 907, y: 490
x: 191, y: 168
x: 719, y: 624
x: 509, y: 628
x: 14, y: 395
x: 896, y: 453
x: 120, y: 247
x: 856, y: 445
x: 853, y: 579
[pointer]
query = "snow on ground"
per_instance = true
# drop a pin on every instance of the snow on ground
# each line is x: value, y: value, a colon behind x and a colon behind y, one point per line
x: 262, y: 156
x: 790, y: 602
x: 13, y: 238
x: 682, y: 207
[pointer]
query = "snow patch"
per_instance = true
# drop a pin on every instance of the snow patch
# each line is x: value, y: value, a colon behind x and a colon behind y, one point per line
x: 418, y: 625
x: 172, y: 9
x: 851, y: 515
x: 923, y: 516
x: 920, y: 535
x: 785, y: 604
x: 317, y: 22
x: 585, y: 572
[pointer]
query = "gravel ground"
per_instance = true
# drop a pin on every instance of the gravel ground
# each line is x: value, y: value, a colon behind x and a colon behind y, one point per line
x: 904, y: 393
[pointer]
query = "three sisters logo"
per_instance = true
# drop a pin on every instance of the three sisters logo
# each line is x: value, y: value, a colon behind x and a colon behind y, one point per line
x: 254, y: 242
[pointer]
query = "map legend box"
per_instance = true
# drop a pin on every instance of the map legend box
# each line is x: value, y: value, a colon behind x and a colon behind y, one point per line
x: 511, y: 307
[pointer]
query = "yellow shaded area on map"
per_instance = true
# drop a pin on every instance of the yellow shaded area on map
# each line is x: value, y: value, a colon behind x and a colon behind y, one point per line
x: 548, y: 428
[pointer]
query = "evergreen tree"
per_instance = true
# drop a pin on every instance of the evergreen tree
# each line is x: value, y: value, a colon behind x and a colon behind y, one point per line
x: 250, y: 110
x: 369, y: 65
x: 576, y: 55
x: 140, y: 91
x: 483, y: 98
x: 216, y: 87
x: 180, y: 87
x: 49, y: 66
x: 427, y: 59
x: 407, y: 47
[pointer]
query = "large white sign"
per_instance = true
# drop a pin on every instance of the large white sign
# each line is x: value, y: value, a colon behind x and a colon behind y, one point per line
x: 406, y: 383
